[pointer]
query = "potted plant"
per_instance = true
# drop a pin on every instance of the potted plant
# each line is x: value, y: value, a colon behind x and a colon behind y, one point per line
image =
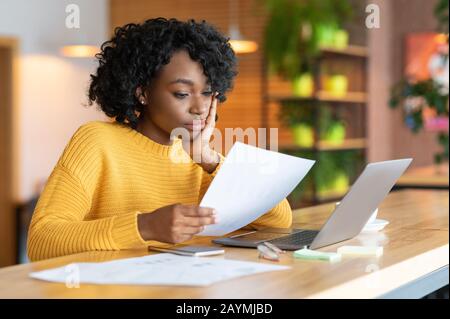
x: 418, y: 97
x: 300, y: 120
x: 332, y: 129
x: 330, y: 176
x: 303, y: 85
x: 294, y: 33
x: 415, y: 99
x: 296, y: 30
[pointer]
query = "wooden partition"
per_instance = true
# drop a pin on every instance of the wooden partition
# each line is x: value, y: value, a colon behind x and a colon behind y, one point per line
x: 8, y: 58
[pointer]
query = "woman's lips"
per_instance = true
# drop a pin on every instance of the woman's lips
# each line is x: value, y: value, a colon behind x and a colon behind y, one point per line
x: 195, y: 125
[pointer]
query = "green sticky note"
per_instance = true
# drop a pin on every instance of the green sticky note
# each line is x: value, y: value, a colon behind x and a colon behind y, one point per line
x: 316, y: 255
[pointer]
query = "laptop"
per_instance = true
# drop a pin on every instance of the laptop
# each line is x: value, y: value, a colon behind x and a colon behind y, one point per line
x: 347, y: 220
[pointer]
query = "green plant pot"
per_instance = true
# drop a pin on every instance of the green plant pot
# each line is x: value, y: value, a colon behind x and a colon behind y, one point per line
x: 303, y: 134
x: 325, y: 35
x: 341, y: 183
x: 338, y: 185
x: 335, y: 133
x: 336, y: 85
x: 340, y: 39
x: 303, y: 85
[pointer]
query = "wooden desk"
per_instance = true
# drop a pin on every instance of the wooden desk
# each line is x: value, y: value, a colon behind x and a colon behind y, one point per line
x: 415, y: 262
x: 425, y: 177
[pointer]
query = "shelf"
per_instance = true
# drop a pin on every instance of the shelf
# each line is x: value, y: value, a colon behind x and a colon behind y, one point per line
x: 336, y: 196
x: 350, y: 97
x: 352, y: 61
x: 351, y: 51
x: 349, y: 144
x: 328, y: 197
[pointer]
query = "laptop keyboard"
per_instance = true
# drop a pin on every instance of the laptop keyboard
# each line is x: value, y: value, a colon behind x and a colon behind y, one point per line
x: 301, y: 238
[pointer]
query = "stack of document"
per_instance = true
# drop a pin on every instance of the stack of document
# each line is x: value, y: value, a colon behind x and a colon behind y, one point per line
x: 160, y: 269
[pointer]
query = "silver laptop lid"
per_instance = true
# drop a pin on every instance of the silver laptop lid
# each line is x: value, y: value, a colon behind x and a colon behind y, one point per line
x: 369, y: 190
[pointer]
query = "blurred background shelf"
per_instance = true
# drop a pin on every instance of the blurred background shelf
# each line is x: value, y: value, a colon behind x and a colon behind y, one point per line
x: 331, y: 196
x: 348, y: 144
x: 327, y: 125
x: 426, y: 177
x: 349, y: 97
x: 351, y: 51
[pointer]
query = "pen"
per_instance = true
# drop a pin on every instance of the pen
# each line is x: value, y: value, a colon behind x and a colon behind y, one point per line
x: 274, y: 248
x: 267, y: 253
x: 238, y: 235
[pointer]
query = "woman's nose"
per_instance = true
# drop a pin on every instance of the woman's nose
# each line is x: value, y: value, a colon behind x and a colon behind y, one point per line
x: 199, y: 107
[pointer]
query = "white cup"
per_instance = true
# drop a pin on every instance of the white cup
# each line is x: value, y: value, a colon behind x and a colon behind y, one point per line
x: 371, y: 218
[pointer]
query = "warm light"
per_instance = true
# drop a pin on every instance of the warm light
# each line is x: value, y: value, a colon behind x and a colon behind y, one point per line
x: 441, y: 38
x: 243, y: 46
x: 79, y: 51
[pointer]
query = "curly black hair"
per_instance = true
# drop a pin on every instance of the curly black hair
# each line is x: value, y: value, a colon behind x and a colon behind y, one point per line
x: 137, y: 52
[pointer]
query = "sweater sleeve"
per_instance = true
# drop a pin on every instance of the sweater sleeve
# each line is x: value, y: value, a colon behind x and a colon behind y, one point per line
x: 58, y: 226
x: 280, y: 217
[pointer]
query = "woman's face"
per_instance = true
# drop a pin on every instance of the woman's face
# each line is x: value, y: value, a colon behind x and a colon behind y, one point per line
x: 178, y: 95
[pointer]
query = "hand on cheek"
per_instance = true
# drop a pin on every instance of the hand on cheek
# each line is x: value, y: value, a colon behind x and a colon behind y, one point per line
x: 203, y: 154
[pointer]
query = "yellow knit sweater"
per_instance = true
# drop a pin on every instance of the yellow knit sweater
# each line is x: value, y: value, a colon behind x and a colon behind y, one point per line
x: 108, y: 174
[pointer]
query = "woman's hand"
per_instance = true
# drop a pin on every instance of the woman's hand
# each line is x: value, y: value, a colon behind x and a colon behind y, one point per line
x: 175, y: 223
x: 199, y: 148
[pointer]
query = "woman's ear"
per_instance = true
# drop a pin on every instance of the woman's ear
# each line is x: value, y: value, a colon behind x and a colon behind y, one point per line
x: 140, y: 95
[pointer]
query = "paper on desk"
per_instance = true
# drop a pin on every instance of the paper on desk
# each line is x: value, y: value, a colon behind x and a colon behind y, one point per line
x: 159, y: 269
x: 250, y: 182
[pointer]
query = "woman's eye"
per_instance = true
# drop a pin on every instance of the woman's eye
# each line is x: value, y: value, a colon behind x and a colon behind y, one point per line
x: 180, y: 95
x: 183, y: 95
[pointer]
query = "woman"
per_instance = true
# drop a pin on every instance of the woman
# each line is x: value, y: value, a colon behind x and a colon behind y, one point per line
x: 116, y: 185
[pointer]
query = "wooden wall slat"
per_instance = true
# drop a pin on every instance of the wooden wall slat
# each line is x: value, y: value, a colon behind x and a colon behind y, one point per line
x: 8, y: 100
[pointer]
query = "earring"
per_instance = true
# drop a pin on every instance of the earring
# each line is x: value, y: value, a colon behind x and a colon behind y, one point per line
x: 142, y: 101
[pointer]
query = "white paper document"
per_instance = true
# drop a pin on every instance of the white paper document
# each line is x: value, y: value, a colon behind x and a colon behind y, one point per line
x: 159, y: 269
x: 250, y: 182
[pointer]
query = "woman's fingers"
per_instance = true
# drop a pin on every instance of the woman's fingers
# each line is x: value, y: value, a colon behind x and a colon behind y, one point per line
x: 210, y: 121
x: 181, y: 238
x: 192, y: 230
x: 212, y: 112
x: 197, y: 211
x: 200, y: 221
x: 196, y: 216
